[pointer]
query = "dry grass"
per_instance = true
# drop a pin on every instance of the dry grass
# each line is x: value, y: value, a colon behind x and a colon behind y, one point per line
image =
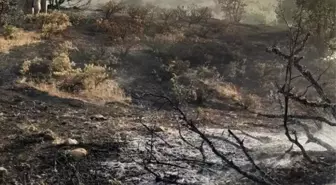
x: 106, y: 92
x: 228, y: 90
x: 252, y: 101
x: 26, y: 38
x: 232, y: 92
x: 109, y: 91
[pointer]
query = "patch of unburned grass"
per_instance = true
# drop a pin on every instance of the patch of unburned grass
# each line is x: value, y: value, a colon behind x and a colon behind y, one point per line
x: 108, y: 91
x: 25, y: 38
x: 234, y: 93
x: 227, y: 90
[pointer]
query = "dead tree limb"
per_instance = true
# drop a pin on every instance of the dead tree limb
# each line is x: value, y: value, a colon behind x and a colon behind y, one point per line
x: 297, y: 42
x: 241, y: 144
x: 190, y: 125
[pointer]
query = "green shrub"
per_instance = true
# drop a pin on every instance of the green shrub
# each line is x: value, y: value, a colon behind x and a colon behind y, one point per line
x: 87, y: 79
x: 36, y: 69
x: 94, y: 75
x: 50, y: 24
x: 61, y: 64
x: 60, y: 71
x: 11, y: 32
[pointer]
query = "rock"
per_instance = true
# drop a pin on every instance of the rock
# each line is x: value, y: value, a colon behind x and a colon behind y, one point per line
x: 98, y: 117
x: 71, y: 142
x: 78, y: 153
x: 3, y: 171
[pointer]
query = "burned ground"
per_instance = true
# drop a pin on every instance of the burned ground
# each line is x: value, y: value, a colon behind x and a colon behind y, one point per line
x: 229, y: 64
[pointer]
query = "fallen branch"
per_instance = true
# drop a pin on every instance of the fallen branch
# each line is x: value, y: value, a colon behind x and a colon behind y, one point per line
x: 241, y: 144
x: 189, y: 124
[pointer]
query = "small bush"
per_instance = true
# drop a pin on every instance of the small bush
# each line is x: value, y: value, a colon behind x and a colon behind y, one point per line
x: 236, y: 95
x: 233, y: 9
x: 72, y: 82
x: 11, y: 32
x: 64, y: 47
x: 178, y: 67
x: 123, y: 33
x: 206, y: 72
x: 61, y: 70
x: 94, y: 75
x: 138, y: 12
x: 120, y: 29
x: 36, y: 69
x: 76, y: 79
x: 112, y: 7
x: 61, y: 64
x: 87, y: 79
x: 50, y: 24
x: 76, y: 18
x: 162, y: 44
x: 228, y: 91
x: 251, y: 101
x: 59, y: 77
x: 193, y: 14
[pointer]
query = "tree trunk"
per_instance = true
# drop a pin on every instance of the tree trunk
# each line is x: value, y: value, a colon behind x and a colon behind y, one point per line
x: 44, y: 6
x: 37, y: 6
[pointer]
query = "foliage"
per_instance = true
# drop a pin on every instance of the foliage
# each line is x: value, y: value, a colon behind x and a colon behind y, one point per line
x: 121, y: 28
x: 112, y: 7
x: 63, y: 47
x: 36, y: 69
x: 10, y: 12
x: 80, y: 19
x: 93, y: 75
x: 233, y: 10
x: 186, y: 84
x: 138, y: 12
x: 193, y: 14
x: 4, y: 7
x: 61, y: 64
x: 61, y: 71
x: 161, y: 45
x: 168, y: 18
x: 124, y: 33
x: 50, y: 24
x: 11, y: 32
x: 87, y: 79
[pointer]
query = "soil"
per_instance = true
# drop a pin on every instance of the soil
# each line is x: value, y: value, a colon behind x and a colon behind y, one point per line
x: 32, y: 124
x: 114, y: 144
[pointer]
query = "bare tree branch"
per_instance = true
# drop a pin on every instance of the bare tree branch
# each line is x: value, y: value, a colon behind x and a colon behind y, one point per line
x: 241, y: 144
x: 188, y: 123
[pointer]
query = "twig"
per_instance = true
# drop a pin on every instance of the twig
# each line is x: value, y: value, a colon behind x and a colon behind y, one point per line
x: 241, y: 144
x: 192, y: 127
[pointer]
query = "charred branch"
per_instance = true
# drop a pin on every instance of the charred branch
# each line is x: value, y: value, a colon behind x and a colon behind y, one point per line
x: 190, y: 125
x: 241, y: 144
